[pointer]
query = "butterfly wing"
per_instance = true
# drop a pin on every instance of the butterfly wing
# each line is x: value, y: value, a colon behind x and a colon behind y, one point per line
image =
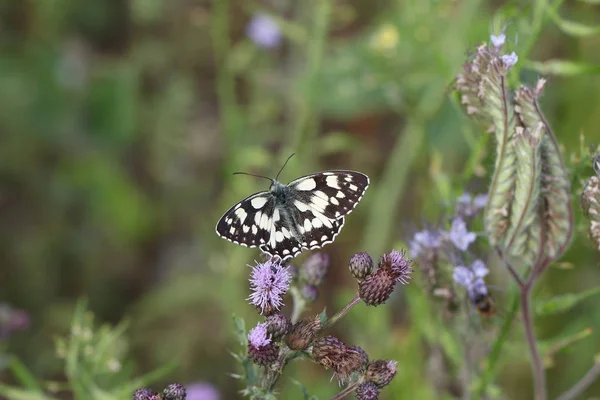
x: 284, y: 239
x: 334, y: 194
x: 249, y: 222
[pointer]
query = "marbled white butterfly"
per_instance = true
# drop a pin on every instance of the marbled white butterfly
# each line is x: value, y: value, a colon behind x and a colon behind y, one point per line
x: 307, y: 213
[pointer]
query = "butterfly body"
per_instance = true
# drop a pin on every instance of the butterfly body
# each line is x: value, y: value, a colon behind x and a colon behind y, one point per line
x: 306, y: 213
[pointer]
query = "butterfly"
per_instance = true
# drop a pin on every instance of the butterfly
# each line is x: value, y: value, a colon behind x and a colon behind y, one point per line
x: 307, y: 213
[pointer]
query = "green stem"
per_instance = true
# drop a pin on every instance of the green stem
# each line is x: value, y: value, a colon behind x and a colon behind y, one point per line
x: 331, y: 321
x: 305, y: 118
x: 494, y: 357
x: 390, y: 189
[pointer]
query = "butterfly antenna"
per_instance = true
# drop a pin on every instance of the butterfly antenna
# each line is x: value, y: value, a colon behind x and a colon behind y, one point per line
x: 284, y: 164
x: 258, y: 176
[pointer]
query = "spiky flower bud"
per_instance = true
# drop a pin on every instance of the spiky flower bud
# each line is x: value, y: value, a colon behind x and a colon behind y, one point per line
x: 381, y: 372
x: 175, y: 391
x: 146, y: 394
x: 261, y: 349
x: 590, y: 201
x: 344, y: 360
x: 361, y: 265
x: 367, y: 391
x: 377, y: 287
x: 302, y: 334
x: 393, y: 268
x: 314, y: 269
x: 277, y: 325
x: 309, y: 293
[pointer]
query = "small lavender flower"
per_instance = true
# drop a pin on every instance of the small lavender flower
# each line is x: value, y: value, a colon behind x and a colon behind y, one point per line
x: 422, y: 242
x: 269, y: 283
x: 467, y: 206
x: 471, y: 278
x: 509, y: 60
x: 264, y: 31
x: 202, y: 391
x: 498, y: 41
x: 459, y: 235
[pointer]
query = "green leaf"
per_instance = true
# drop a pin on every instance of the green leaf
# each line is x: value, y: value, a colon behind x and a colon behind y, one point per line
x: 562, y: 67
x: 24, y: 376
x: 240, y: 330
x: 550, y: 347
x: 573, y: 28
x: 564, y: 302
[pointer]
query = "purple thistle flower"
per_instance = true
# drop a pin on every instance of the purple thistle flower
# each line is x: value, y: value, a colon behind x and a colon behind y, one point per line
x: 400, y: 265
x: 423, y: 241
x: 269, y: 283
x: 263, y: 31
x: 202, y: 391
x: 460, y: 236
x: 257, y: 337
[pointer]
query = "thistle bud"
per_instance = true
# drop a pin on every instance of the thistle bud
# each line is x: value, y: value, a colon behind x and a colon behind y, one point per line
x: 143, y: 394
x: 277, y: 325
x: 314, y: 269
x: 333, y: 354
x: 302, y: 334
x: 361, y: 265
x: 377, y: 287
x: 381, y: 372
x: 175, y: 391
x: 309, y: 293
x: 367, y: 391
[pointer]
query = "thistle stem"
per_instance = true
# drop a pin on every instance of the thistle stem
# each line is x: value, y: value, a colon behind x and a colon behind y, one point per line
x: 331, y: 321
x: 539, y: 374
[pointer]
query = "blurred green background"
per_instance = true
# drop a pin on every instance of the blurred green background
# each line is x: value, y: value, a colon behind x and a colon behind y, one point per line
x: 122, y: 121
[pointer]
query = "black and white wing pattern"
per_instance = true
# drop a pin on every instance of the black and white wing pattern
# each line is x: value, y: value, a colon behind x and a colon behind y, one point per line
x: 308, y: 213
x: 248, y: 223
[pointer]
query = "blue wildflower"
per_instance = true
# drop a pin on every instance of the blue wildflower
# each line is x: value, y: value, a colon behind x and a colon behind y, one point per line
x: 263, y: 31
x: 459, y: 235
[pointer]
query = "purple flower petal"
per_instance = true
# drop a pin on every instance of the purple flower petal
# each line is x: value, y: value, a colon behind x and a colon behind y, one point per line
x: 269, y: 283
x: 258, y: 337
x: 463, y: 276
x: 202, y: 391
x: 479, y: 269
x: 460, y: 236
x: 263, y: 31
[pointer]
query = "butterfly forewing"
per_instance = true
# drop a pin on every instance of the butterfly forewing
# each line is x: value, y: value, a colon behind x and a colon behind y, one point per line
x: 333, y: 193
x: 248, y: 223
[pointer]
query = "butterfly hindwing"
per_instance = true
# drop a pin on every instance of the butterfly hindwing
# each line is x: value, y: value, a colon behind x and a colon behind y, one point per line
x: 333, y: 193
x: 248, y: 223
x: 284, y: 239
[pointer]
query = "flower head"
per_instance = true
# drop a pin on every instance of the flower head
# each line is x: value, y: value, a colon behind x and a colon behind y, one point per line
x: 367, y: 391
x: 460, y: 236
x: 377, y: 287
x: 498, y: 40
x: 471, y: 278
x: 261, y: 349
x: 264, y: 31
x: 175, y: 391
x: 314, y: 269
x: 269, y: 283
x: 202, y: 391
x: 334, y: 354
x: 509, y: 60
x: 361, y: 265
x: 257, y: 336
x: 423, y: 241
x: 381, y: 372
x: 399, y: 265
